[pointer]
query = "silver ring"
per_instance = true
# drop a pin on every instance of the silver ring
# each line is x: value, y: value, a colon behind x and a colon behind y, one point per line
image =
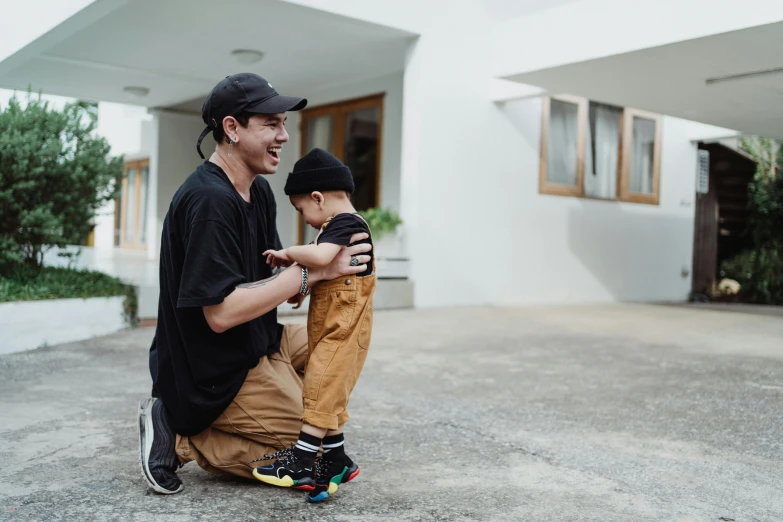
x: 354, y: 261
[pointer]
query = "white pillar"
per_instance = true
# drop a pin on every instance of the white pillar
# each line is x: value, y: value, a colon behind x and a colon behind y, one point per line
x: 172, y: 160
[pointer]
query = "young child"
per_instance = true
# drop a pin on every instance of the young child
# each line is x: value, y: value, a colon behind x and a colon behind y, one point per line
x: 339, y: 325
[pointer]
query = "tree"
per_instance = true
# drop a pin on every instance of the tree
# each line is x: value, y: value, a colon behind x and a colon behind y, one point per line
x: 55, y: 173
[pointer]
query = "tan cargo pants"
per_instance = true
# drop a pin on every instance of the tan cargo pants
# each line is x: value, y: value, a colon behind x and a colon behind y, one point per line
x: 263, y: 418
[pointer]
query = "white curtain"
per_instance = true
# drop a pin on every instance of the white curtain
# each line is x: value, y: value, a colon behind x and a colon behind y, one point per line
x: 318, y: 133
x: 602, y: 151
x: 561, y: 144
x: 642, y: 151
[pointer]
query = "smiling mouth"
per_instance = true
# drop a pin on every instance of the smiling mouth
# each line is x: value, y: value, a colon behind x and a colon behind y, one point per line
x: 274, y: 152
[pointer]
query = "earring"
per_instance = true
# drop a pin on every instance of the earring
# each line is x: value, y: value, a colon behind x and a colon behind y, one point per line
x: 230, y: 144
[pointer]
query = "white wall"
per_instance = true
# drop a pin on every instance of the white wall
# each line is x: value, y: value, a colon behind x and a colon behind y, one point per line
x: 128, y: 129
x: 450, y: 166
x: 589, y: 29
x: 390, y: 153
x: 172, y: 160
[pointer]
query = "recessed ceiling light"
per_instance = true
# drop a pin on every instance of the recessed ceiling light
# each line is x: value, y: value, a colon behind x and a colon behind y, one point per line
x: 136, y: 91
x: 247, y: 56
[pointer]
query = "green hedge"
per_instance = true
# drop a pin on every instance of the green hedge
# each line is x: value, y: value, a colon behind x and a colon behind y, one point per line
x: 23, y: 283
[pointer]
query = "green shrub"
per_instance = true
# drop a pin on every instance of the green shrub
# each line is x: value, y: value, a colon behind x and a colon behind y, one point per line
x: 26, y: 283
x: 759, y: 272
x: 382, y: 221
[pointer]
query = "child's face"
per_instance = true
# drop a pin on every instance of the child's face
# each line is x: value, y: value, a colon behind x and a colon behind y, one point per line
x: 312, y: 208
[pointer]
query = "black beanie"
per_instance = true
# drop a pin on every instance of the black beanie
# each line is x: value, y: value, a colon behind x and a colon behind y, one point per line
x: 318, y: 171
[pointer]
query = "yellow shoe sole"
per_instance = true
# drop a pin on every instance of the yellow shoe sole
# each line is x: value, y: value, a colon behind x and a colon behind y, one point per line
x: 285, y: 482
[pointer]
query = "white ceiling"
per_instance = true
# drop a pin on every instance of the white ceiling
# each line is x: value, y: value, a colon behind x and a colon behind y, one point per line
x: 506, y: 9
x: 671, y: 80
x: 180, y: 49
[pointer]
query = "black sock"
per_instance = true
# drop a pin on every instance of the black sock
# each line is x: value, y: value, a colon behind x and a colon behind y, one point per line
x: 307, y: 446
x: 334, y: 447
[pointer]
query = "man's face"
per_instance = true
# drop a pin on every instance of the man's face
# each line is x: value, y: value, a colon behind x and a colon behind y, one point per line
x: 261, y: 142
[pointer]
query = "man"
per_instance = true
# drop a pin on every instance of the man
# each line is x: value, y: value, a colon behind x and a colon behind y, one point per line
x: 227, y: 386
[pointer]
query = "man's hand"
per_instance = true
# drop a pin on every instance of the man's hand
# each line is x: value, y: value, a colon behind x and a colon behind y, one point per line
x: 341, y: 264
x: 277, y: 258
x: 297, y: 300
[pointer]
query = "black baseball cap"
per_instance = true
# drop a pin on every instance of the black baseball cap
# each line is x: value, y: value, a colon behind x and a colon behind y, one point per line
x: 243, y: 92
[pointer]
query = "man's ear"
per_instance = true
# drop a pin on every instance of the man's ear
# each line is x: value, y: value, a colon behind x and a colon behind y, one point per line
x: 318, y: 198
x: 230, y: 125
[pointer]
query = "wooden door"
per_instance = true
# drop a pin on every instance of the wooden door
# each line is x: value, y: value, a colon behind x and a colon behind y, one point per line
x: 351, y: 131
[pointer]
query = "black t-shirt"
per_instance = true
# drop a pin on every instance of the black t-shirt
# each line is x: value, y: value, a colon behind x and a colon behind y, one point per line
x: 212, y: 241
x: 339, y: 231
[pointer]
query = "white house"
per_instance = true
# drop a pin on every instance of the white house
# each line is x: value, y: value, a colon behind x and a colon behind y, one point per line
x: 538, y: 151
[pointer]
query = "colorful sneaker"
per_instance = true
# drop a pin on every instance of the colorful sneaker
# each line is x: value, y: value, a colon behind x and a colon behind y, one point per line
x: 288, y: 471
x: 329, y: 474
x: 159, y: 462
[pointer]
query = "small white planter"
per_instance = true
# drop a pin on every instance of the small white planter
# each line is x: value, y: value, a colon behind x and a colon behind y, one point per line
x: 391, y: 256
x: 27, y: 325
x: 390, y: 246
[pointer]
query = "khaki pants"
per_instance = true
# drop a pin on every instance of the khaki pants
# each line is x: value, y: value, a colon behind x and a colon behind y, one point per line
x: 263, y: 418
x: 339, y: 326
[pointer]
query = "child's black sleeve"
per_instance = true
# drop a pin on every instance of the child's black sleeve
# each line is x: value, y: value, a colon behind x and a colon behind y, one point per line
x: 341, y: 228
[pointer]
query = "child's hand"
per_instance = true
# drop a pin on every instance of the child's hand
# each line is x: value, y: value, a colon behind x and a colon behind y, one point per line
x: 297, y: 300
x: 277, y: 258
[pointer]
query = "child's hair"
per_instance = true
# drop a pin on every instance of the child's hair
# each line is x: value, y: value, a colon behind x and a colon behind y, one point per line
x: 242, y: 118
x: 339, y: 193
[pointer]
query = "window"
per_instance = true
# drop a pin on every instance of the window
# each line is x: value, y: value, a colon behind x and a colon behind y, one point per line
x: 595, y: 150
x: 351, y: 131
x: 132, y: 230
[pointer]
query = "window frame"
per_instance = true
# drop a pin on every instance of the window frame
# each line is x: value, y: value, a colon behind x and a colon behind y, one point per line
x: 623, y: 193
x: 138, y: 165
x: 624, y: 183
x: 558, y: 189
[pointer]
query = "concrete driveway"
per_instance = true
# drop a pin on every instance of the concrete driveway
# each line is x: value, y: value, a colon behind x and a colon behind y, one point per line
x: 605, y: 413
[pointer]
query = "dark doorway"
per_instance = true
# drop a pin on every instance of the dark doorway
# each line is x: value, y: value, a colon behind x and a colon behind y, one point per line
x: 722, y: 215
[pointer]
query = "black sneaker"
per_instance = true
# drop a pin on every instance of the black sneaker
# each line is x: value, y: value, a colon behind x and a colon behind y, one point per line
x: 288, y: 471
x: 329, y: 474
x: 158, y: 457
